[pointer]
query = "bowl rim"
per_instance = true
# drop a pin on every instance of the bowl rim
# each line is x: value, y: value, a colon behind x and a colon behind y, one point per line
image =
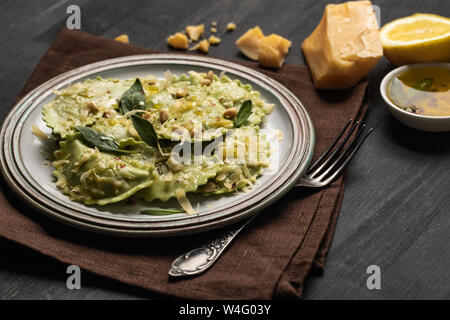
x: 388, y: 77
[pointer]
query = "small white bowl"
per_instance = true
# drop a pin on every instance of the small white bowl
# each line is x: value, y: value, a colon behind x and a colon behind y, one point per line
x: 413, y: 120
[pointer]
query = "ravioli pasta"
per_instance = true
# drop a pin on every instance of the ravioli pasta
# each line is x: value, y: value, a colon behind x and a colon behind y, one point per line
x: 191, y: 112
x: 94, y: 177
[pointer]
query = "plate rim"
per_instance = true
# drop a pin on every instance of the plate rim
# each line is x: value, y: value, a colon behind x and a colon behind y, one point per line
x: 100, y: 225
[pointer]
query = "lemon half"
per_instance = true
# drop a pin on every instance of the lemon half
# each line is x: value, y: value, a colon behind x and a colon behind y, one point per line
x: 417, y: 38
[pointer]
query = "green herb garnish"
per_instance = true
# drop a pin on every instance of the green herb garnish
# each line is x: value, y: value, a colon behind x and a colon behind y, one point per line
x: 145, y: 130
x: 423, y: 84
x: 94, y: 138
x: 244, y: 112
x: 133, y: 98
x: 160, y: 212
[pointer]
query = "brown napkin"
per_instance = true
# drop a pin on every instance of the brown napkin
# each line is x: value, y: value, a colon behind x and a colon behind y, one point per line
x: 270, y: 259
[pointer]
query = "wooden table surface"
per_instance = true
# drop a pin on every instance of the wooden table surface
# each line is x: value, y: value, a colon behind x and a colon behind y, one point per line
x: 396, y: 209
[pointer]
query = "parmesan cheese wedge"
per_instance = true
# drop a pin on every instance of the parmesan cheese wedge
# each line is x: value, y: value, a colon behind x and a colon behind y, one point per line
x: 269, y: 56
x: 344, y: 47
x: 272, y: 50
x: 278, y: 42
x: 269, y: 51
x: 248, y: 43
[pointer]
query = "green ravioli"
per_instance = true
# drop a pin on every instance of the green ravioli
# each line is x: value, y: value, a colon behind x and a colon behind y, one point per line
x: 93, y: 177
x: 103, y: 159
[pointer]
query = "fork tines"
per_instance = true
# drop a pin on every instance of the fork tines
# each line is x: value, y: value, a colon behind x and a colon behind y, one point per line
x: 333, y: 161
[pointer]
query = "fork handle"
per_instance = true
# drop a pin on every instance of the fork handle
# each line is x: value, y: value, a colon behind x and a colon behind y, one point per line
x: 201, y: 259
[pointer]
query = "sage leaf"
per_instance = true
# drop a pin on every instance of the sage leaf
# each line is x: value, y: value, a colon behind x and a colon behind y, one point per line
x: 244, y: 112
x: 95, y: 139
x: 423, y: 84
x: 145, y: 130
x: 160, y: 212
x: 133, y: 98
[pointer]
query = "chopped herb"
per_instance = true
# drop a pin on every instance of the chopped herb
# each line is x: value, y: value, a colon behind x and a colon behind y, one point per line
x: 95, y: 139
x: 160, y: 212
x: 423, y: 84
x: 133, y: 98
x: 244, y: 112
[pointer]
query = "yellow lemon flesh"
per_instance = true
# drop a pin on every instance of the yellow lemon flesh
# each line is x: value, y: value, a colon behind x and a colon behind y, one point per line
x: 417, y: 38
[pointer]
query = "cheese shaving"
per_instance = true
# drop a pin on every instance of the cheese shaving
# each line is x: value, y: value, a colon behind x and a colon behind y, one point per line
x: 169, y: 76
x: 38, y: 132
x: 132, y: 112
x: 46, y: 164
x: 246, y: 171
x: 47, y: 155
x: 184, y: 202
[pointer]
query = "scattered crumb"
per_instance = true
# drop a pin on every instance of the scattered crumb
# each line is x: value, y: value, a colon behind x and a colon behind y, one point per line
x: 193, y: 48
x: 92, y: 107
x: 214, y: 40
x: 231, y: 26
x: 195, y: 32
x: 123, y: 38
x: 178, y: 41
x: 203, y: 46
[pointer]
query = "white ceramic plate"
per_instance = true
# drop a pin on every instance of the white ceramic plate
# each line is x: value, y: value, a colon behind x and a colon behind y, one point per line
x: 22, y: 163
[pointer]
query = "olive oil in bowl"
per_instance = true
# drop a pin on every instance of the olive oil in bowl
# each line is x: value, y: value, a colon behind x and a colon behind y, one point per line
x: 424, y: 91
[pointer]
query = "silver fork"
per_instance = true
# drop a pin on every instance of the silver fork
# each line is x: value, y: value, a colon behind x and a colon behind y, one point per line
x: 321, y: 174
x: 333, y: 161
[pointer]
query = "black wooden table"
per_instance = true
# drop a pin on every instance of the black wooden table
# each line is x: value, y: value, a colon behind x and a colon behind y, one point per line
x: 396, y: 209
